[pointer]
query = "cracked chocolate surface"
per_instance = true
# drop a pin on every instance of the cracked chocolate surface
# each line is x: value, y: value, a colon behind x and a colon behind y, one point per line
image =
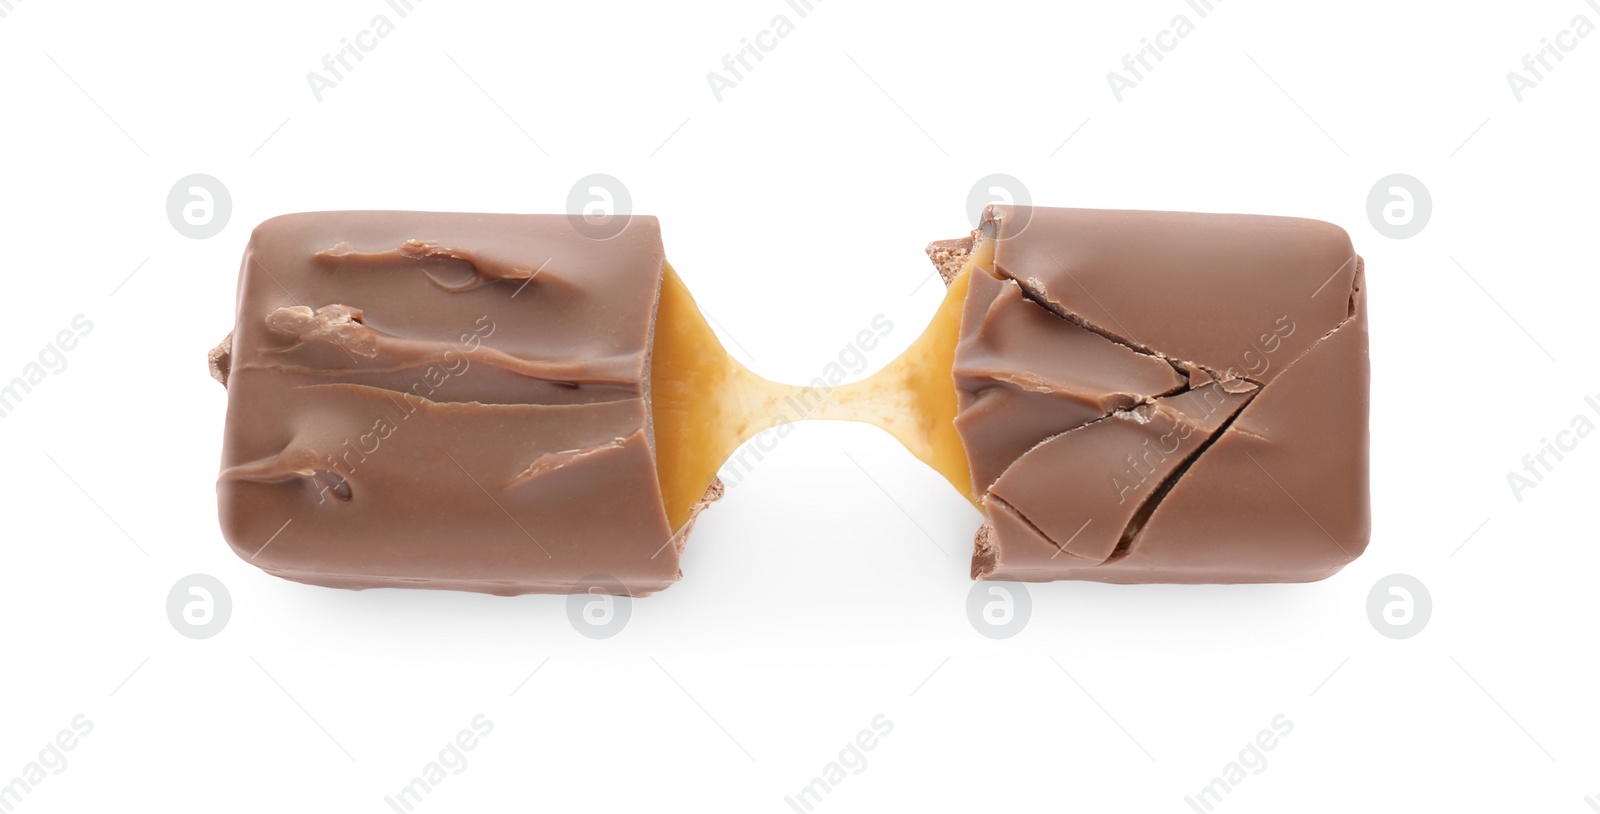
x: 1165, y: 397
x: 445, y: 401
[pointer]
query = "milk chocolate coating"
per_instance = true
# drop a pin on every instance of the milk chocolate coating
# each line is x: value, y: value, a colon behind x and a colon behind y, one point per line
x: 1165, y: 397
x: 453, y: 401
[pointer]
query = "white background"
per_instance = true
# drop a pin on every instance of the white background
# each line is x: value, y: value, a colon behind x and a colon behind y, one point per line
x: 796, y: 209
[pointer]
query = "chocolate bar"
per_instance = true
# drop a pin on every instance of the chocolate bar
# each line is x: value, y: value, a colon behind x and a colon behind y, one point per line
x: 1164, y: 397
x: 445, y: 401
x: 511, y: 404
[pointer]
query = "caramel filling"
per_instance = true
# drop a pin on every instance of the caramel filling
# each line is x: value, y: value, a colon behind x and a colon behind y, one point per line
x: 704, y: 403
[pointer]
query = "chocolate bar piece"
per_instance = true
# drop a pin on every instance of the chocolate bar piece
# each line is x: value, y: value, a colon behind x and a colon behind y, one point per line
x: 1164, y: 397
x: 445, y: 401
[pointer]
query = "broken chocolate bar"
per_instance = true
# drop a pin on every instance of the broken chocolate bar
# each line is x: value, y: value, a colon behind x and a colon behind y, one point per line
x: 445, y: 401
x: 502, y: 403
x: 1164, y: 397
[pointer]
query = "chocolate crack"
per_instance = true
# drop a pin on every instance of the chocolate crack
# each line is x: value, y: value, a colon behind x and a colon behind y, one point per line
x: 1022, y: 517
x: 1153, y: 500
x: 307, y: 333
x: 454, y: 270
x: 436, y: 401
x: 551, y: 462
x: 1034, y: 291
x: 1170, y: 420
